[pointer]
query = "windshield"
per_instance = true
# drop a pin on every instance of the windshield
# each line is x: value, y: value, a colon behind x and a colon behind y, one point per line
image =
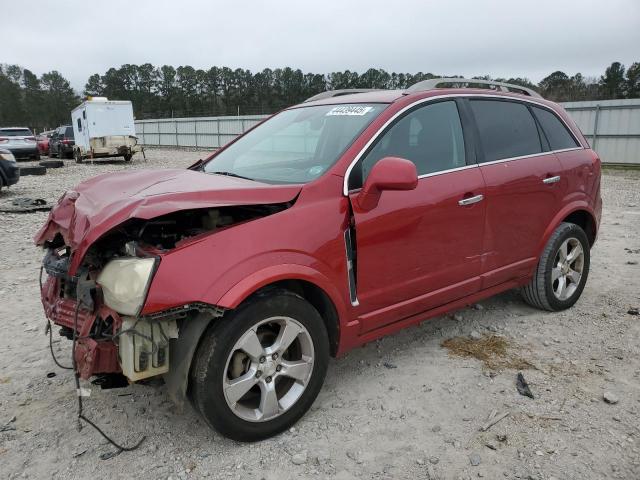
x: 295, y: 146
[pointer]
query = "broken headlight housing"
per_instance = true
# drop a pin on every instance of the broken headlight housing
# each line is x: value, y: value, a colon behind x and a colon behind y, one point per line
x: 125, y: 282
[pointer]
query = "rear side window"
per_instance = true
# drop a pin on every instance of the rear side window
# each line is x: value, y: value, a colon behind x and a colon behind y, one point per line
x: 557, y: 134
x: 69, y: 132
x: 507, y: 129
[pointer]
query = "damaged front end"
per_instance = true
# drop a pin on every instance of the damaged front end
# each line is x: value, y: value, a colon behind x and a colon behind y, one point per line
x: 102, y: 299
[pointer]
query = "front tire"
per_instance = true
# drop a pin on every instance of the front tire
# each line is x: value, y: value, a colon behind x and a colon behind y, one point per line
x: 562, y: 270
x: 258, y: 371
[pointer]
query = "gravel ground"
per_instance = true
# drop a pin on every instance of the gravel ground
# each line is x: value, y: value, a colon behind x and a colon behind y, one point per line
x: 402, y: 407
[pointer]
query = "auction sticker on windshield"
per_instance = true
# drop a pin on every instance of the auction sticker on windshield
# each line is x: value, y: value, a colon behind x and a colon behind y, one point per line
x: 349, y: 110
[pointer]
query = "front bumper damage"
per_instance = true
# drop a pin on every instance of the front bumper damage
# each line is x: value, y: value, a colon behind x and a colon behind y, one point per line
x: 108, y: 343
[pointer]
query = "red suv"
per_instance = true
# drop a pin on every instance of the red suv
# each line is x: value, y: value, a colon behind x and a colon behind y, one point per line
x: 332, y: 223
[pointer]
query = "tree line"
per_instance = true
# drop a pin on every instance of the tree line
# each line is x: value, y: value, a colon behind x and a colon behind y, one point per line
x: 158, y: 92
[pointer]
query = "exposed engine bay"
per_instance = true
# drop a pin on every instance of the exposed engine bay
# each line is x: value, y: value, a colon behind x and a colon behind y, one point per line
x: 101, y: 302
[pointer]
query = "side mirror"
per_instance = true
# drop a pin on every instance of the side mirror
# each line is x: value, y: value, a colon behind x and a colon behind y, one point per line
x: 389, y: 173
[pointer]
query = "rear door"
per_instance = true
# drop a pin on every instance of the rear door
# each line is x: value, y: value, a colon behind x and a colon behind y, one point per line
x: 524, y: 186
x: 420, y: 249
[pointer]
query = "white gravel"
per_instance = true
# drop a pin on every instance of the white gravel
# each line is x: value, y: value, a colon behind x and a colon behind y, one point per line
x: 419, y: 420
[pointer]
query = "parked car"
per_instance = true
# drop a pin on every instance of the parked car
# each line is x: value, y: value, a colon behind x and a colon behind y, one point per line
x: 19, y: 141
x: 9, y: 170
x: 62, y: 142
x: 43, y: 142
x: 329, y: 225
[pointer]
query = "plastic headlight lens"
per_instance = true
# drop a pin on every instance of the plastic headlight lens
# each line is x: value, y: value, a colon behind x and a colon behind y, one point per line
x: 124, y: 283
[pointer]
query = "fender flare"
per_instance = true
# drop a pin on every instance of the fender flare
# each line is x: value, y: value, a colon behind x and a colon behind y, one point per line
x: 560, y: 216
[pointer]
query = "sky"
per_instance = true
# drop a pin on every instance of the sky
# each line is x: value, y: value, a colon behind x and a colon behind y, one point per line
x: 487, y: 37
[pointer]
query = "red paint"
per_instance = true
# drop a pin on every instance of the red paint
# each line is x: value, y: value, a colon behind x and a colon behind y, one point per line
x: 419, y: 253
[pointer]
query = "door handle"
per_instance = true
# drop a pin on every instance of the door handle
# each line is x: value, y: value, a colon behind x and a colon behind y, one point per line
x: 550, y: 180
x: 471, y: 200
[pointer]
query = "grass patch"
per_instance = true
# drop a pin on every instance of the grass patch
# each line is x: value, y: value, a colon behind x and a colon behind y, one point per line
x: 495, y: 352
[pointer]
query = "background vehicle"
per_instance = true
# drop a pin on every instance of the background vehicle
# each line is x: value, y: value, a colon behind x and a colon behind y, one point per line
x: 329, y: 225
x: 62, y: 142
x: 19, y: 141
x: 104, y: 128
x: 9, y: 170
x: 43, y: 142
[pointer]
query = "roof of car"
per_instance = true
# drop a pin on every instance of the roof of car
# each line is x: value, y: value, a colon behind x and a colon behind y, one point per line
x: 14, y: 128
x: 431, y: 87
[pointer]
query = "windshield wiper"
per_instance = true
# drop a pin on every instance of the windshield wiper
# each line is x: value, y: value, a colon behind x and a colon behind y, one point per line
x: 231, y: 174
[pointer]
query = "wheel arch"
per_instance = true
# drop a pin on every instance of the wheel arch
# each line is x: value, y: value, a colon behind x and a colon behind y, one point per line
x: 578, y: 213
x: 303, y: 280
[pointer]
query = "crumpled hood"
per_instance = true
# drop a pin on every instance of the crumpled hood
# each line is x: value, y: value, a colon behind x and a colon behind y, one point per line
x: 101, y: 203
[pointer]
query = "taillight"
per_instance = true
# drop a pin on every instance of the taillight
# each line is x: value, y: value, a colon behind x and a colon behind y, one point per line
x: 30, y: 139
x: 4, y: 139
x: 66, y: 141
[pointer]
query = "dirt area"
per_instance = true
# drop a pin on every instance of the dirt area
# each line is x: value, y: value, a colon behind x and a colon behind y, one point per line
x: 402, y: 407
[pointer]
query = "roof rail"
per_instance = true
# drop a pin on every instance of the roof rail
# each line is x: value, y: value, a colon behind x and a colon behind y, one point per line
x: 339, y: 93
x: 466, y: 82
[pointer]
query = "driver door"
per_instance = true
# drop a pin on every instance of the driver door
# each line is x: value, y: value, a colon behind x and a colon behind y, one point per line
x: 420, y: 249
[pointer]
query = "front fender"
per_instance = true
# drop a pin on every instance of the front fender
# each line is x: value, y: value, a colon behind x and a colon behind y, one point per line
x: 266, y: 276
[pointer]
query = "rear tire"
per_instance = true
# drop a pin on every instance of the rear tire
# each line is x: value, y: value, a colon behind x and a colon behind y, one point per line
x: 128, y: 157
x: 280, y: 382
x: 562, y: 270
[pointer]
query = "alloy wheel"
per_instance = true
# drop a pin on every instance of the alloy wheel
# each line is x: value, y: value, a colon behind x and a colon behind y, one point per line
x: 268, y: 369
x: 567, y: 269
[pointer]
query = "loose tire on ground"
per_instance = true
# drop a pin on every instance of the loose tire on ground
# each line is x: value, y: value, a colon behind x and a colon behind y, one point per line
x: 78, y: 156
x: 51, y: 163
x: 219, y: 362
x: 567, y: 252
x: 32, y: 171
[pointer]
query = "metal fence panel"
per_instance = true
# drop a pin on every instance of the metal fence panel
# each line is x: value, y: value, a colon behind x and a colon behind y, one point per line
x: 201, y: 132
x: 611, y: 126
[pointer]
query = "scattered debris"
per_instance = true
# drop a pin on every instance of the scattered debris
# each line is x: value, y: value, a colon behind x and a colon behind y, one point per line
x: 51, y: 163
x: 474, y: 459
x: 51, y: 374
x: 9, y: 425
x: 299, y: 458
x: 434, y: 460
x: 493, y: 419
x: 26, y: 205
x: 492, y: 350
x: 475, y: 335
x: 38, y: 170
x: 389, y: 365
x: 610, y: 398
x: 632, y: 262
x: 491, y: 445
x: 633, y: 311
x: 110, y: 454
x: 523, y: 386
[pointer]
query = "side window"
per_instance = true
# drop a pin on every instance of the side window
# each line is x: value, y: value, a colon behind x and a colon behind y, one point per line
x: 557, y: 134
x: 506, y: 129
x: 430, y: 136
x: 79, y: 125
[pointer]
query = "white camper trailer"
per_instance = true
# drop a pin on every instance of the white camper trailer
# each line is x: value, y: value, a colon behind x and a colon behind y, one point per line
x: 104, y: 128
